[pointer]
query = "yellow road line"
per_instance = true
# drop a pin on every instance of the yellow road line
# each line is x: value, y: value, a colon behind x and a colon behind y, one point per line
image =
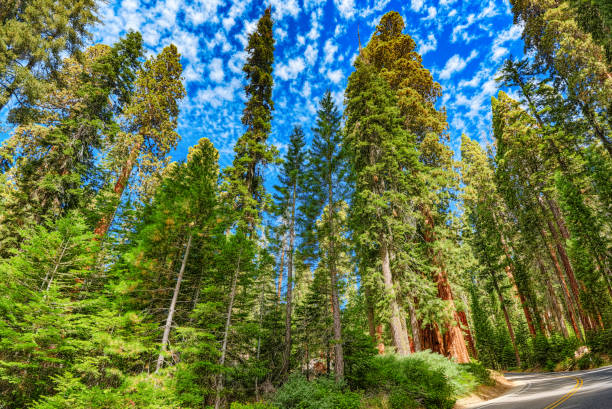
x: 568, y: 395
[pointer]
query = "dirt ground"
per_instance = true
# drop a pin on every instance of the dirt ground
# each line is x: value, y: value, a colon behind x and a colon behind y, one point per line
x: 485, y: 393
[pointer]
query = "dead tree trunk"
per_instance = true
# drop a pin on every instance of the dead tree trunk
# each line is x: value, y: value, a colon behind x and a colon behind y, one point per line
x: 228, y: 320
x: 177, y: 288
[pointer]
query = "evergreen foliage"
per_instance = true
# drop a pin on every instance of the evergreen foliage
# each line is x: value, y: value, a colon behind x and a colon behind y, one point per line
x: 382, y: 273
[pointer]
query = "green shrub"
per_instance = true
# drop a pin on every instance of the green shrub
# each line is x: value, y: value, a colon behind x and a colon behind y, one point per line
x: 589, y: 360
x: 255, y: 405
x: 143, y: 392
x: 482, y: 374
x: 418, y: 380
x: 321, y: 393
x: 540, y: 349
x: 600, y: 341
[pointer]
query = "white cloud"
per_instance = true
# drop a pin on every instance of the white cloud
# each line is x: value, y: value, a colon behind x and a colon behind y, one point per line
x: 281, y: 8
x: 417, y: 5
x: 460, y: 29
x: 235, y: 11
x: 346, y: 8
x: 378, y: 5
x: 313, y: 34
x: 498, y: 52
x: 511, y: 34
x: 216, y: 70
x: 187, y: 44
x: 430, y: 45
x: 476, y: 79
x: 456, y: 64
x: 311, y: 54
x: 280, y: 34
x: 431, y: 13
x: 330, y: 50
x: 447, y: 2
x: 290, y: 70
x: 489, y: 11
x: 335, y: 76
x: 219, y: 94
x: 306, y: 89
x: 203, y: 11
x: 237, y: 61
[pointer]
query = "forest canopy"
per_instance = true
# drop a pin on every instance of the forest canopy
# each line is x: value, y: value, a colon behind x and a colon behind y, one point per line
x: 364, y: 265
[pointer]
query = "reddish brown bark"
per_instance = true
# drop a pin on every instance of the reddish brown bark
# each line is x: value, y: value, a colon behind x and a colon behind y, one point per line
x: 553, y: 300
x: 106, y: 220
x: 521, y: 296
x: 565, y: 291
x: 567, y: 267
x: 454, y: 342
x: 468, y: 334
x: 380, y: 345
x: 432, y: 339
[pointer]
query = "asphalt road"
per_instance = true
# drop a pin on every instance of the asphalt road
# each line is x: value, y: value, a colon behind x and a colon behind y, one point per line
x: 560, y: 390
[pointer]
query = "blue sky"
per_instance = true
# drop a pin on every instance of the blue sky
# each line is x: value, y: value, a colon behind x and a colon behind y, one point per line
x: 463, y: 43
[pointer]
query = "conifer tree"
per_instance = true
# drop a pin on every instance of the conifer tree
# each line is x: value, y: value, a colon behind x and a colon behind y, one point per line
x: 326, y: 188
x: 384, y: 163
x: 291, y: 176
x: 252, y: 150
x: 35, y: 36
x: 152, y: 116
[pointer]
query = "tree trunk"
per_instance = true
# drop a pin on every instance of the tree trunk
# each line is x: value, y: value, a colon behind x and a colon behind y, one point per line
x: 281, y: 270
x: 468, y: 334
x: 219, y: 386
x: 261, y: 308
x: 177, y: 288
x: 510, y: 273
x: 380, y: 345
x: 506, y: 317
x: 565, y: 291
x: 553, y: 300
x: 567, y: 267
x: 453, y: 338
x: 106, y: 220
x: 414, y: 328
x: 454, y: 342
x: 51, y: 275
x: 394, y: 321
x: 338, y: 350
x: 370, y: 313
x: 289, y: 296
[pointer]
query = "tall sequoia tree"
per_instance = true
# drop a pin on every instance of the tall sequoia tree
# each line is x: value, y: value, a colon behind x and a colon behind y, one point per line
x: 384, y: 163
x: 393, y: 55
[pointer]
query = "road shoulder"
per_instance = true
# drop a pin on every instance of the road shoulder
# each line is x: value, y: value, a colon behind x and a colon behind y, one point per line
x: 485, y: 393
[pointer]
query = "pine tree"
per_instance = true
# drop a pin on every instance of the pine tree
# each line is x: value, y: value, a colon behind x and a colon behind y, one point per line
x: 35, y: 36
x: 326, y: 188
x: 54, y: 146
x: 291, y: 178
x: 152, y: 116
x: 252, y: 150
